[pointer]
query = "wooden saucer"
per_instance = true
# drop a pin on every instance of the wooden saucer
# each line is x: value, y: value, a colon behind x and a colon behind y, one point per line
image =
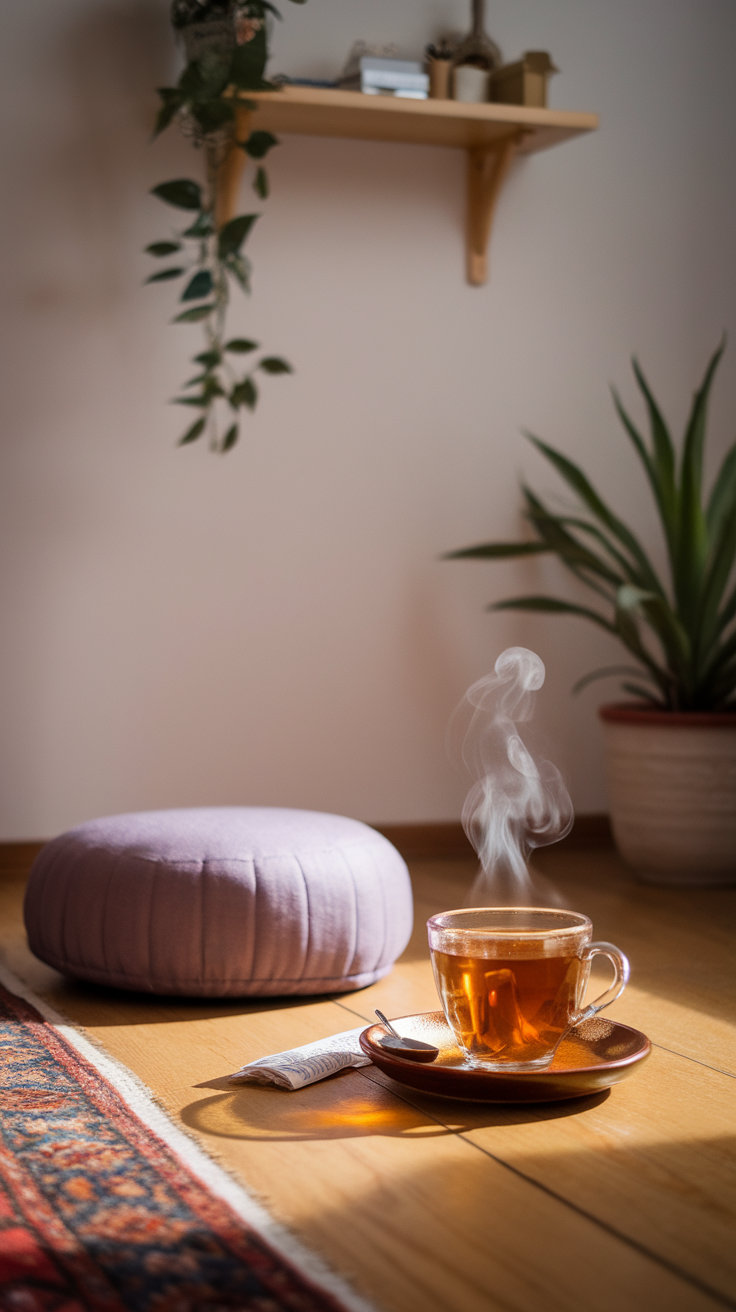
x: 593, y: 1056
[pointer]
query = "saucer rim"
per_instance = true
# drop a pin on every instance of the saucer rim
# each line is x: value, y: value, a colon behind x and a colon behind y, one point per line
x: 566, y: 1075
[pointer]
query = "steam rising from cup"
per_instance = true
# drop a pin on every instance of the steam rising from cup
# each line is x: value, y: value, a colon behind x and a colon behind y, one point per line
x: 516, y: 803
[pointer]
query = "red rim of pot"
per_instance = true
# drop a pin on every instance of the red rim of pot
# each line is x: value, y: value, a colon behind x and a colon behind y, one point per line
x: 633, y: 713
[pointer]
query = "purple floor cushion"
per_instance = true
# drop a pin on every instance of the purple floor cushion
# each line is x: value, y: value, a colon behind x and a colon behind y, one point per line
x: 221, y: 902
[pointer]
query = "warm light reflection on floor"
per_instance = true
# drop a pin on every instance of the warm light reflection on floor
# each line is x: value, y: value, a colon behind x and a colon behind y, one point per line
x: 253, y: 1113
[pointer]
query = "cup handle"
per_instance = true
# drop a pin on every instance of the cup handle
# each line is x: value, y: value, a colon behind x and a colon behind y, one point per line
x: 621, y: 978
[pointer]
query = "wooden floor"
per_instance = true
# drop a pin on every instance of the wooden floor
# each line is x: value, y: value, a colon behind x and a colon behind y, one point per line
x: 624, y: 1202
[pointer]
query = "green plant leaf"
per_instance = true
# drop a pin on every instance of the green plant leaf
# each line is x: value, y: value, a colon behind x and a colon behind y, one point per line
x: 694, y: 667
x: 202, y: 227
x: 195, y: 314
x: 240, y: 345
x: 582, y: 525
x: 182, y: 193
x: 212, y: 114
x: 645, y: 693
x: 722, y: 658
x: 665, y: 482
x: 199, y: 286
x: 715, y: 582
x: 554, y: 606
x: 607, y: 672
x: 722, y: 502
x: 192, y: 382
x: 673, y: 637
x: 212, y: 73
x: 273, y: 364
x: 259, y: 144
x: 260, y: 183
x: 201, y: 402
x: 230, y: 438
x: 728, y: 613
x: 165, y: 274
x: 163, y: 247
x: 692, y: 547
x: 239, y: 268
x: 233, y: 234
x: 586, y: 492
x: 172, y: 100
x: 497, y: 551
x: 244, y: 393
x: 208, y: 358
x: 212, y: 387
x: 663, y: 486
x: 249, y: 62
x: 578, y: 558
x: 194, y: 432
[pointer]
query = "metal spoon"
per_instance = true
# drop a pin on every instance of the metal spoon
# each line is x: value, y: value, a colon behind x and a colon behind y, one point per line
x: 412, y: 1049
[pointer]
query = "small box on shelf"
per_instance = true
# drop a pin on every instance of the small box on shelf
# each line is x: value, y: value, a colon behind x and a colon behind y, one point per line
x: 525, y: 82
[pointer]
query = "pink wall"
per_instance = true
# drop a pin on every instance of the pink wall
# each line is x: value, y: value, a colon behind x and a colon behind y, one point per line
x: 274, y: 626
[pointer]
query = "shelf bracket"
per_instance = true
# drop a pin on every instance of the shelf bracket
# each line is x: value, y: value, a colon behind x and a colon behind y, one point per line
x: 487, y: 170
x: 230, y: 172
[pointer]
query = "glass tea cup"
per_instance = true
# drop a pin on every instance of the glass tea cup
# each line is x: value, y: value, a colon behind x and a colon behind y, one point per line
x: 512, y: 980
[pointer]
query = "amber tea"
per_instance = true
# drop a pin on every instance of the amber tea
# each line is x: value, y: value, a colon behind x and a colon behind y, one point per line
x: 511, y: 1007
x: 511, y: 980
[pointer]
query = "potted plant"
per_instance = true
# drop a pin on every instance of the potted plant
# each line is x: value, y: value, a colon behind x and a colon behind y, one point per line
x: 226, y: 47
x: 671, y: 752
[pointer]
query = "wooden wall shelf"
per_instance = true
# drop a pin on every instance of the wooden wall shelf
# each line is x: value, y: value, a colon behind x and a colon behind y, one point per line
x: 491, y: 134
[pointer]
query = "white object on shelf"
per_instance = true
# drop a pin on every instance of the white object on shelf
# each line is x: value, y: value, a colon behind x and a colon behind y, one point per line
x: 377, y: 76
x: 470, y: 83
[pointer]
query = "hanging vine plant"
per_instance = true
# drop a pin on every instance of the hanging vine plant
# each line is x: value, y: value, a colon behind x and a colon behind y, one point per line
x: 226, y: 45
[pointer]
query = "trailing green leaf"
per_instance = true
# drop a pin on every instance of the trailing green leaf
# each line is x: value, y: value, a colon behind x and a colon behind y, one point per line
x: 183, y: 194
x: 239, y: 269
x: 273, y: 364
x: 163, y: 247
x: 233, y: 234
x: 203, y: 226
x: 171, y: 101
x: 199, y: 286
x: 195, y: 314
x: 165, y: 274
x: 240, y: 345
x: 259, y: 144
x: 204, y: 97
x: 245, y: 393
x: 208, y: 358
x: 194, y: 432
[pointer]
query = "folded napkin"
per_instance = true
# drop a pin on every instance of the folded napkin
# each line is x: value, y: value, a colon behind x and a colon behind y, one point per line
x: 313, y: 1061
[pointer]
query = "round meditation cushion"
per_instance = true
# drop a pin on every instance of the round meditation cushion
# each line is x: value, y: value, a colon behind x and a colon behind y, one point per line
x: 221, y: 902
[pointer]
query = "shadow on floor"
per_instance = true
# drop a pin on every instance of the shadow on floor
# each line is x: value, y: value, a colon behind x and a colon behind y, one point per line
x: 354, y: 1105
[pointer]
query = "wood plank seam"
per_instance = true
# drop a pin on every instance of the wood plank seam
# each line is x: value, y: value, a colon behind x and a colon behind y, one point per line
x: 631, y: 1242
x: 696, y: 1061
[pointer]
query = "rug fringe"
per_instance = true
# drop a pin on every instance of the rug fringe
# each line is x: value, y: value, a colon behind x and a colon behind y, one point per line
x: 143, y: 1103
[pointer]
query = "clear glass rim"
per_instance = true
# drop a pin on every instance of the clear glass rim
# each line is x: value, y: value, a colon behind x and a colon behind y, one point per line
x: 575, y: 921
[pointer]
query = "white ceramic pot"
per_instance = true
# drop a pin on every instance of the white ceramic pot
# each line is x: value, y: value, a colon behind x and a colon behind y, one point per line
x: 672, y: 792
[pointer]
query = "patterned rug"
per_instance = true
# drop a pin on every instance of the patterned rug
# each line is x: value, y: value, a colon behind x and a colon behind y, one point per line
x: 106, y: 1205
